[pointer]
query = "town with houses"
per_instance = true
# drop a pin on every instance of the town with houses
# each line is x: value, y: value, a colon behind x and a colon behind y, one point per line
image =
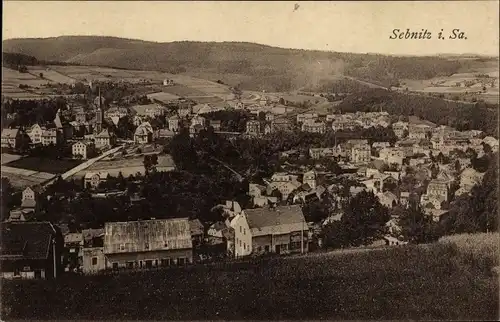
x: 439, y: 159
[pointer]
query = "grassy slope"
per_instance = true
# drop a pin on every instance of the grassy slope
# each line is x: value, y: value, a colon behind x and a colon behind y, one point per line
x: 404, y: 283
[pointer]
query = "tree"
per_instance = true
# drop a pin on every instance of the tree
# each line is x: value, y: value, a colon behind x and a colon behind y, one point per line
x: 364, y: 219
x: 457, y: 166
x: 183, y: 151
x: 317, y: 211
x: 416, y: 226
x: 150, y: 162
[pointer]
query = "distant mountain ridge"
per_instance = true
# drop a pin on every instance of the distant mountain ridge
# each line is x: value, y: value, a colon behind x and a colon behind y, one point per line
x: 268, y: 67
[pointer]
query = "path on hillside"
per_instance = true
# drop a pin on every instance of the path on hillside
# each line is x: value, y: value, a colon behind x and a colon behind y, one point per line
x: 83, y: 165
x: 239, y: 176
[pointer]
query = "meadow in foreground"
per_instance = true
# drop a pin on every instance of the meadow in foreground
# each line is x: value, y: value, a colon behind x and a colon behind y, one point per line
x: 415, y: 282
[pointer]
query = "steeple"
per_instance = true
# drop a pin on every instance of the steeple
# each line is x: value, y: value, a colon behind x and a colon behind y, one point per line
x: 99, y: 112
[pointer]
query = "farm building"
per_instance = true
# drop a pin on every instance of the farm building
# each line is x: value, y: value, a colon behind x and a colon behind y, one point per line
x: 30, y: 250
x: 148, y: 243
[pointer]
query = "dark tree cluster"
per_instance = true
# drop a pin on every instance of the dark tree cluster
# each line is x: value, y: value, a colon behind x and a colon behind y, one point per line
x: 30, y: 112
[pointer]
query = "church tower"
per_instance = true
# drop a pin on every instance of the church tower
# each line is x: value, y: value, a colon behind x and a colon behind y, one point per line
x: 99, y: 114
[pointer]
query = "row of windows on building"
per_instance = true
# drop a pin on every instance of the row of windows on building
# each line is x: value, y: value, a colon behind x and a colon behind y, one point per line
x: 148, y: 263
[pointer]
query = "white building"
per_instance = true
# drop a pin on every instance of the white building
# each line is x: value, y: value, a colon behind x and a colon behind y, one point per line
x: 85, y: 149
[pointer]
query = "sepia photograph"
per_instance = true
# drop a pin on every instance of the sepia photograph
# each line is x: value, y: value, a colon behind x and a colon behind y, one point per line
x: 249, y: 160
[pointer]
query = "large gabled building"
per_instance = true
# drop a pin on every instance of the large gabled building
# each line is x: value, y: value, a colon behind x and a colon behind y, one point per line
x: 148, y: 243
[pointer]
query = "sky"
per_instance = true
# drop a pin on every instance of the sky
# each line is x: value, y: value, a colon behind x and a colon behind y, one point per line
x: 342, y: 26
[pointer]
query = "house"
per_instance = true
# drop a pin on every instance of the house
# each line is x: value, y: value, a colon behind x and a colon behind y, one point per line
x: 231, y: 208
x: 173, y: 123
x: 143, y: 133
x: 360, y: 154
x: 30, y: 196
x: 149, y: 110
x: 314, y: 127
x: 255, y: 190
x: 470, y: 177
x: 94, y: 179
x: 492, y: 142
x: 13, y: 138
x: 317, y: 153
x: 310, y: 179
x: 380, y: 145
x: 344, y: 124
x: 51, y: 136
x: 118, y: 112
x: 404, y: 198
x: 93, y: 260
x: 30, y: 250
x: 148, y: 243
x: 105, y: 139
x: 168, y: 82
x: 215, y: 124
x: 73, y: 244
x: 284, y: 188
x: 387, y: 199
x: 242, y: 236
x: 309, y: 195
x: 197, y: 119
x: 282, y: 177
x: 399, y: 128
x: 438, y: 187
x: 277, y: 230
x: 282, y: 124
x: 35, y: 134
x: 253, y: 127
x: 184, y: 111
x: 83, y: 149
x: 419, y: 131
x: 303, y: 117
x: 197, y: 232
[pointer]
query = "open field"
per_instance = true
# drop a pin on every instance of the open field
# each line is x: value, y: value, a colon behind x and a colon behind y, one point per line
x: 127, y: 166
x: 6, y: 158
x: 51, y: 75
x: 43, y: 165
x: 464, y: 85
x: 399, y: 283
x: 162, y: 97
x: 184, y: 91
x: 21, y: 178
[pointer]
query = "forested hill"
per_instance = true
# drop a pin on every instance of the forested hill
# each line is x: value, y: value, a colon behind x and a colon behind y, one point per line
x: 481, y: 116
x: 285, y: 69
x: 16, y: 59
